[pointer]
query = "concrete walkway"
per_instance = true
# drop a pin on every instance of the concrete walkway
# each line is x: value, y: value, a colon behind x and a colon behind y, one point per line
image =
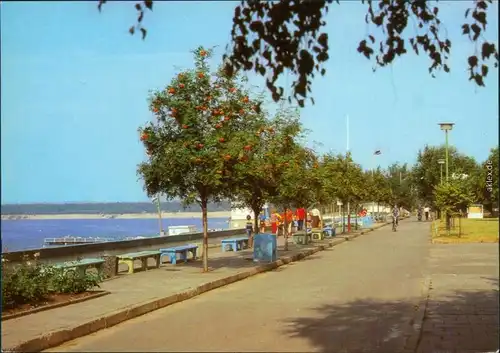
x: 462, y: 313
x: 131, y: 290
x: 360, y: 296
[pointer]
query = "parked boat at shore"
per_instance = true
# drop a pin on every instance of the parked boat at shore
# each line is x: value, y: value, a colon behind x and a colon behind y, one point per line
x: 72, y: 240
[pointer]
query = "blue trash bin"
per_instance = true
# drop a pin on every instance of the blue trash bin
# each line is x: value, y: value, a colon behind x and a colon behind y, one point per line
x: 265, y: 248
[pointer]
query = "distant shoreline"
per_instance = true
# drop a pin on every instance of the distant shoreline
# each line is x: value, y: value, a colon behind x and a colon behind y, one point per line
x: 175, y: 215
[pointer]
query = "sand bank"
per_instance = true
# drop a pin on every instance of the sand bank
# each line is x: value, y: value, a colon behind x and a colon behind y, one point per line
x: 176, y: 215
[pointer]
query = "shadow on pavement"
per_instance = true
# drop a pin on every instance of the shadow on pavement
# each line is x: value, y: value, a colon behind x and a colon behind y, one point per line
x: 462, y: 322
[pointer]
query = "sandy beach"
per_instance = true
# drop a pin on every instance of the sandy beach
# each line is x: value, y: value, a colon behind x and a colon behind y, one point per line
x: 177, y: 215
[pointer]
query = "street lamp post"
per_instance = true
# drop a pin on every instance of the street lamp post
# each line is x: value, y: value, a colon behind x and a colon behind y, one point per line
x: 441, y: 162
x: 446, y: 127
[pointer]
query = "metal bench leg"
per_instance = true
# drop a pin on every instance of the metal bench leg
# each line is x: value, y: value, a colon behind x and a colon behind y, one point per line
x: 184, y: 255
x: 194, y: 254
x: 223, y: 247
x: 100, y: 270
x: 234, y: 246
x: 144, y: 263
x: 157, y: 260
x: 81, y: 271
x: 129, y: 263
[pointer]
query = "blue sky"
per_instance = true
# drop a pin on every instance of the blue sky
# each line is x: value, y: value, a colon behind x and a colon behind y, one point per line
x: 75, y: 84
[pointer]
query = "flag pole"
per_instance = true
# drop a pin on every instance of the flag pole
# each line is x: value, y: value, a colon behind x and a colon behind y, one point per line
x: 347, y: 152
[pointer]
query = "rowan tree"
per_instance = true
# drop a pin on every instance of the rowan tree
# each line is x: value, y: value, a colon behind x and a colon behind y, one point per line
x: 271, y: 37
x: 290, y: 165
x: 203, y: 130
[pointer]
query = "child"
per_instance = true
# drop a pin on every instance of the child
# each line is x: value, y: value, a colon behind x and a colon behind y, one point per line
x: 262, y: 222
x: 249, y: 229
x: 249, y: 226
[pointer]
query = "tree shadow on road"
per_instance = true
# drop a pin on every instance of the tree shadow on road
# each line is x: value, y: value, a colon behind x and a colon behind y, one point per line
x: 464, y: 321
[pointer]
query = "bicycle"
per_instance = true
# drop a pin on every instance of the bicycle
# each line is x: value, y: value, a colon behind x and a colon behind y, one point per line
x: 394, y: 224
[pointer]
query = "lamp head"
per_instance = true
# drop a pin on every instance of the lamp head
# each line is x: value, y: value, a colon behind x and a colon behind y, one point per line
x: 446, y: 126
x: 441, y: 161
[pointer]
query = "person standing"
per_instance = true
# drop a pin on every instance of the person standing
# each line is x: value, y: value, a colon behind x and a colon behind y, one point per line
x: 315, y: 218
x: 274, y: 223
x: 249, y: 226
x: 289, y: 221
x: 249, y: 229
x: 262, y: 222
x: 301, y: 216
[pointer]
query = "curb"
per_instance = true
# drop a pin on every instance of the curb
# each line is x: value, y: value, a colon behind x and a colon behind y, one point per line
x: 414, y: 334
x: 56, y: 338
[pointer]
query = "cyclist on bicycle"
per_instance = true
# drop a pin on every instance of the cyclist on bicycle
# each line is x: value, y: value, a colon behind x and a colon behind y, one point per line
x: 395, y: 214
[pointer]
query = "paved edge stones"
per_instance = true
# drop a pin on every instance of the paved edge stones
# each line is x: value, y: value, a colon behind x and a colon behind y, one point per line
x: 414, y: 333
x: 56, y: 338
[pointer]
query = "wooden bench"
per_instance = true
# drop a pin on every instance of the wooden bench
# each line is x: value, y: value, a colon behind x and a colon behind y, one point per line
x: 235, y: 243
x: 80, y: 267
x: 129, y: 259
x: 182, y: 250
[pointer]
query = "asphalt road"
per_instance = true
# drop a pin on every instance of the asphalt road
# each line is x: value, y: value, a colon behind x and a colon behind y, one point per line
x: 357, y: 296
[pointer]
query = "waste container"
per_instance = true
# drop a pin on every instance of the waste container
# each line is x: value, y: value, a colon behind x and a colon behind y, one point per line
x: 265, y: 248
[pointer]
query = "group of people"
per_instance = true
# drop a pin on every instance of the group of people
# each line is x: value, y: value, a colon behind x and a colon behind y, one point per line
x: 426, y: 210
x: 294, y: 220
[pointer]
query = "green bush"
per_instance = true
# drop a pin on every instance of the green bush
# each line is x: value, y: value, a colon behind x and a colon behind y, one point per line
x: 67, y: 281
x: 25, y: 283
x: 32, y: 282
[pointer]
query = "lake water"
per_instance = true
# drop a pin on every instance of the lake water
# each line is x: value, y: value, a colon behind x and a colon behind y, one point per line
x: 29, y: 234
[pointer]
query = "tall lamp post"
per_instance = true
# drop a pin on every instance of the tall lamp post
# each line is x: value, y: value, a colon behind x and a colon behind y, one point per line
x: 446, y: 127
x: 376, y: 153
x: 441, y: 162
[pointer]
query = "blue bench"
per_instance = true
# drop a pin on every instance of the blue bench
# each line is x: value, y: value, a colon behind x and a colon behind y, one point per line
x: 329, y: 231
x: 234, y: 243
x: 182, y: 250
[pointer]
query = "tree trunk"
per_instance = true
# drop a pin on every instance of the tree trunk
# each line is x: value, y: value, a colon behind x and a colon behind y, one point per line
x: 343, y: 219
x: 256, y: 212
x: 285, y: 232
x: 204, y: 218
x: 348, y: 218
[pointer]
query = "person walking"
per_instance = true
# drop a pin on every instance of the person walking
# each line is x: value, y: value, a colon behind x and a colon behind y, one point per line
x: 427, y: 210
x: 395, y: 217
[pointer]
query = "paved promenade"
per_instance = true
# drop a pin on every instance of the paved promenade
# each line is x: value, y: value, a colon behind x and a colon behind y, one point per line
x: 129, y: 291
x: 462, y: 312
x: 359, y: 296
